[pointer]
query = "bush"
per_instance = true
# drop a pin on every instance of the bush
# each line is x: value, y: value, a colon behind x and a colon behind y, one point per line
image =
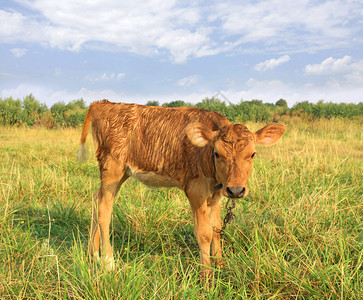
x: 58, y: 112
x: 177, y: 103
x: 214, y: 104
x: 253, y: 110
x: 75, y: 118
x: 328, y: 110
x: 281, y: 103
x: 11, y: 112
x: 153, y: 103
x: 72, y: 114
x: 33, y: 109
x: 31, y: 112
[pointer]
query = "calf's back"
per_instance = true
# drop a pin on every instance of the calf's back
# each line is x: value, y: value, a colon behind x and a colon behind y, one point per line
x: 151, y: 142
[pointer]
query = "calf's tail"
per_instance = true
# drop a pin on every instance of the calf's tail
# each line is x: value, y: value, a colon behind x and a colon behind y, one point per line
x: 82, y: 152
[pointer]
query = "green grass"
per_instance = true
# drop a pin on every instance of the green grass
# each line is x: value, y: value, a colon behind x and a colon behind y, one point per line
x: 299, y: 233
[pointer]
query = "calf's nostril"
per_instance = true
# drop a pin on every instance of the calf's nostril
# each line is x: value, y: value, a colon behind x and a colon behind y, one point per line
x: 229, y: 192
x: 243, y: 191
x: 236, y: 191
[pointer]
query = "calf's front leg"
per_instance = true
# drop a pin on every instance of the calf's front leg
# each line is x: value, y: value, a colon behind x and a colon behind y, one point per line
x: 204, y: 233
x: 197, y: 194
x: 215, y: 219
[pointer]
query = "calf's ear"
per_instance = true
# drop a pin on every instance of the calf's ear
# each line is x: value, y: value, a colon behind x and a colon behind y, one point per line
x: 269, y: 134
x: 200, y: 135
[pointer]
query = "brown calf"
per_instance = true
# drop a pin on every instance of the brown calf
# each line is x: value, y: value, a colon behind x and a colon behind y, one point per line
x: 196, y: 150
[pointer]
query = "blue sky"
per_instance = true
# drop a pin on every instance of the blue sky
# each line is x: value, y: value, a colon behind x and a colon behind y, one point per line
x: 166, y: 50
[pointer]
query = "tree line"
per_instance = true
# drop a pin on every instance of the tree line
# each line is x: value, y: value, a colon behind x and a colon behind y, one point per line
x: 256, y: 110
x: 30, y: 112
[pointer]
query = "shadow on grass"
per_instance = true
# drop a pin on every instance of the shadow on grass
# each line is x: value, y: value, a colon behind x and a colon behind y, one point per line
x: 59, y: 223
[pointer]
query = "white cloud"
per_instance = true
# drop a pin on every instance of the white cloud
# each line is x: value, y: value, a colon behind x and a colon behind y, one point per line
x: 18, y: 52
x: 273, y: 90
x: 144, y: 27
x: 356, y: 76
x: 265, y: 85
x: 17, y: 27
x: 272, y: 63
x: 23, y: 90
x: 107, y: 77
x: 185, y: 29
x: 342, y: 71
x: 329, y: 66
x: 188, y: 81
x: 271, y: 25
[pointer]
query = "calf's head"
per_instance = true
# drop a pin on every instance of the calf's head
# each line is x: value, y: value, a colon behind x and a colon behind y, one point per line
x: 233, y: 152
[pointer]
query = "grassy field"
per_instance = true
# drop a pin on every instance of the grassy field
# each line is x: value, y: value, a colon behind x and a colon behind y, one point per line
x: 298, y: 235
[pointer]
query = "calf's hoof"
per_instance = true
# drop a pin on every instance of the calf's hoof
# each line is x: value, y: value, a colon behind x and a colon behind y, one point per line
x: 109, y: 263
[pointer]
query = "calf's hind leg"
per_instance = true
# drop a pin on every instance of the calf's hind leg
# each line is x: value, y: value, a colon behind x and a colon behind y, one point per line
x: 111, y: 181
x: 94, y: 240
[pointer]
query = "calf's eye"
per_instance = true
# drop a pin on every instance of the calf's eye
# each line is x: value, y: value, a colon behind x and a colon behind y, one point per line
x: 216, y: 154
x: 253, y: 155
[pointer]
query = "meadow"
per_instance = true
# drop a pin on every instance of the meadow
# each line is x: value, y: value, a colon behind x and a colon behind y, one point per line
x: 298, y: 234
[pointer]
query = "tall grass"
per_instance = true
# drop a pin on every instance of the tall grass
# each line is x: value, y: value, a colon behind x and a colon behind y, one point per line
x: 299, y: 233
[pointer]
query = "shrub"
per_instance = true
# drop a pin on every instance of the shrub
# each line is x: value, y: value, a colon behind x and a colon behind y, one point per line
x: 153, y: 103
x: 281, y: 103
x: 253, y: 110
x: 33, y: 109
x: 214, y: 104
x: 11, y: 112
x: 58, y: 112
x: 75, y: 117
x: 177, y: 103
